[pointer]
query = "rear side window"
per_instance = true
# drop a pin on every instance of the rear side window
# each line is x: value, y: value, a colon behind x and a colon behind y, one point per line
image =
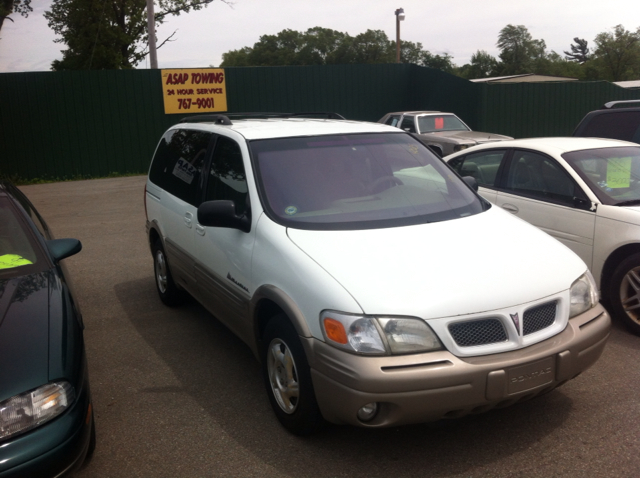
x: 227, y: 179
x: 624, y: 125
x: 178, y: 163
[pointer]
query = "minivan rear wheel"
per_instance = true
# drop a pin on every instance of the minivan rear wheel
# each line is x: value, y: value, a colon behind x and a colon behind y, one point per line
x: 625, y: 292
x: 169, y: 293
x: 287, y: 378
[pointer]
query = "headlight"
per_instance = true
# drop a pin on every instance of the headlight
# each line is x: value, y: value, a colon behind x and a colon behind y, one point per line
x: 31, y: 409
x: 584, y: 294
x: 370, y: 335
x: 460, y: 147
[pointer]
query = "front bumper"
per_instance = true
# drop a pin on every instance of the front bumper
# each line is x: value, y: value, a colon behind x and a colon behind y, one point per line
x: 426, y: 387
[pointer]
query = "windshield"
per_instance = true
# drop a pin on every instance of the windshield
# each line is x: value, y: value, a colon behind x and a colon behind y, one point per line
x: 19, y: 254
x: 358, y: 181
x: 613, y: 174
x: 433, y: 124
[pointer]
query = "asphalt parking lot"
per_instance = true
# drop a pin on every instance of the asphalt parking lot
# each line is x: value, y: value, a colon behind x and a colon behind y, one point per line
x: 177, y: 395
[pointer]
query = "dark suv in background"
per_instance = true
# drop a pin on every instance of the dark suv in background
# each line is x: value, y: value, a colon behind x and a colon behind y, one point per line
x: 615, y: 120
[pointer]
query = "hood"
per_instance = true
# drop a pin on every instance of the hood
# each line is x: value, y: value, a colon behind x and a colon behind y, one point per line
x: 24, y: 333
x: 471, y: 136
x: 470, y: 265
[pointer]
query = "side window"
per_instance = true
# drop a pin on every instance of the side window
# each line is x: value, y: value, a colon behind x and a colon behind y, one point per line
x: 178, y: 163
x: 409, y: 124
x: 623, y: 125
x: 392, y: 120
x: 483, y: 166
x: 227, y: 178
x: 540, y: 177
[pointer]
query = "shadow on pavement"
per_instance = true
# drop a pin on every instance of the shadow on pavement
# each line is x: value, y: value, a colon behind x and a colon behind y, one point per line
x: 219, y: 371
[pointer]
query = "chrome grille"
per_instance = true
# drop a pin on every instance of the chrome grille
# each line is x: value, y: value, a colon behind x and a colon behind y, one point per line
x: 539, y: 318
x: 478, y: 332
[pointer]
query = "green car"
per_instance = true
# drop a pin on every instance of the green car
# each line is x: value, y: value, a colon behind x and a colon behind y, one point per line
x: 46, y: 417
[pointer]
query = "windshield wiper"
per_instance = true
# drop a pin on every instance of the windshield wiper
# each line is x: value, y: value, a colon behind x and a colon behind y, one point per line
x: 630, y: 202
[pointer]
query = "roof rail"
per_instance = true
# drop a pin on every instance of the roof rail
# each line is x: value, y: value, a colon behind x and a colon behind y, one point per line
x: 613, y: 104
x: 308, y: 114
x: 217, y: 119
x: 225, y: 119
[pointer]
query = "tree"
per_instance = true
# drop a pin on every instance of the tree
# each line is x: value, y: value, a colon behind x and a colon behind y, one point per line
x: 579, y: 51
x: 482, y: 65
x: 518, y: 50
x: 108, y: 34
x: 323, y: 46
x: 617, y: 54
x: 7, y: 7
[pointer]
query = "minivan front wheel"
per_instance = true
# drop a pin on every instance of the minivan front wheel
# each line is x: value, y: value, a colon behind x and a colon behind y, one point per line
x: 167, y: 289
x: 287, y: 378
x: 625, y: 292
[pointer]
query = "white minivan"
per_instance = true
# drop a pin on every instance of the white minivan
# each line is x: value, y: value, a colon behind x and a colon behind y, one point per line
x: 373, y: 284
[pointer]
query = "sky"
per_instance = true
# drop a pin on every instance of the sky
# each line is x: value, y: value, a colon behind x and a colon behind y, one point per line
x: 456, y: 27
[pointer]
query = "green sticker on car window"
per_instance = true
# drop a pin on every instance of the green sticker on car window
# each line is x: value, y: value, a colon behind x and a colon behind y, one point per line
x: 619, y: 173
x: 8, y: 261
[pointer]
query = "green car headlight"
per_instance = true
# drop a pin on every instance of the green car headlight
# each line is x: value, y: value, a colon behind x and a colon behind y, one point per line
x: 29, y: 410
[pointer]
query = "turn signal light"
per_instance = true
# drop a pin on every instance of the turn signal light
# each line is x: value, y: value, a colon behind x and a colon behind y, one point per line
x: 335, y: 331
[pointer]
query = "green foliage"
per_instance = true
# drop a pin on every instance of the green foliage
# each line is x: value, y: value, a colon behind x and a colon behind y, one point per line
x: 579, y: 51
x: 617, y: 54
x: 323, y: 46
x: 482, y: 65
x: 108, y: 34
x: 518, y: 50
x: 7, y: 7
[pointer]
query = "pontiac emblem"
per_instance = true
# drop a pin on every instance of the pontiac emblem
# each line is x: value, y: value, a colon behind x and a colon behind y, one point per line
x: 516, y: 321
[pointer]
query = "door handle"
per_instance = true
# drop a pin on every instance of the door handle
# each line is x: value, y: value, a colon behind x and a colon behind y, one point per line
x: 200, y: 229
x: 511, y: 208
x: 188, y: 218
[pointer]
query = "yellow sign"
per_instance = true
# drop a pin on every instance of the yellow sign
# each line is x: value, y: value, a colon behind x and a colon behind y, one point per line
x: 194, y: 91
x: 619, y: 173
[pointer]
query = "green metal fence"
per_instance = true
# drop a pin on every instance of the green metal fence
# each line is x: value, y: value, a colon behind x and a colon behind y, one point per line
x: 95, y: 123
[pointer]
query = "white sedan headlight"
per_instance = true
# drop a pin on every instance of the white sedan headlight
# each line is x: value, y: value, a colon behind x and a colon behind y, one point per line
x: 371, y: 335
x: 584, y: 294
x: 31, y: 409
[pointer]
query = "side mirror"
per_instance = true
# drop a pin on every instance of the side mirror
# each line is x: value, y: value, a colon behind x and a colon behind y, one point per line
x: 471, y: 182
x: 63, y: 248
x: 223, y: 214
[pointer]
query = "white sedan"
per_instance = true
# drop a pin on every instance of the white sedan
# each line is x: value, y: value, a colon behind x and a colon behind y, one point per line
x: 585, y: 192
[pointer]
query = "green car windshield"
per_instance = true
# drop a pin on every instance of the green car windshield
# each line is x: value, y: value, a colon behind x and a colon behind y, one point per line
x: 358, y: 181
x: 19, y: 253
x: 613, y: 174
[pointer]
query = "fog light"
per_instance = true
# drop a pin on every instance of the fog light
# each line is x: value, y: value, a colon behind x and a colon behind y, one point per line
x: 366, y: 413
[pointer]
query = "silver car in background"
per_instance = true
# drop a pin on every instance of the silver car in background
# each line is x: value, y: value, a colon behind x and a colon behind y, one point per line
x: 443, y: 133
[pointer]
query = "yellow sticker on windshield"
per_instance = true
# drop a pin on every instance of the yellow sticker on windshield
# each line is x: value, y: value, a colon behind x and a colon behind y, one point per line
x: 13, y: 260
x: 619, y: 173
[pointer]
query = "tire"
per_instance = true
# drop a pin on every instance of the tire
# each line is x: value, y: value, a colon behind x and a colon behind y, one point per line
x: 624, y: 293
x: 169, y: 293
x: 287, y: 378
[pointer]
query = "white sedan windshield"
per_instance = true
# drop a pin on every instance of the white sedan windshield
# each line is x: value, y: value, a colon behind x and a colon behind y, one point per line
x: 613, y: 174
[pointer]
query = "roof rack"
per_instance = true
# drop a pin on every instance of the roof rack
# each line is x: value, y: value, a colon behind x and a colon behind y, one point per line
x: 217, y: 119
x: 225, y: 119
x: 614, y: 104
